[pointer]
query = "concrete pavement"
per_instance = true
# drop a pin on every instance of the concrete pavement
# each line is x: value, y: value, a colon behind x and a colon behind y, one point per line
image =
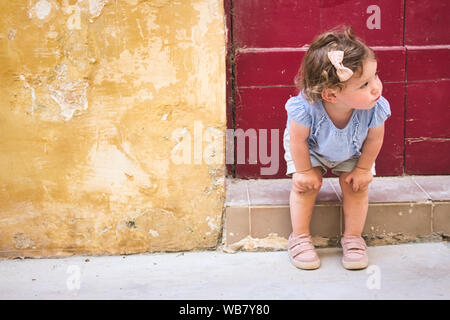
x: 406, y: 271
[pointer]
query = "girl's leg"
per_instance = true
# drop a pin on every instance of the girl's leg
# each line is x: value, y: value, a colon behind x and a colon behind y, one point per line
x: 302, y: 205
x: 355, y: 206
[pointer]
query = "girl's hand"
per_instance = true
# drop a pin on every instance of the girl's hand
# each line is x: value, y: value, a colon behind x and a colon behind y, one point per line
x: 305, y: 181
x: 360, y: 179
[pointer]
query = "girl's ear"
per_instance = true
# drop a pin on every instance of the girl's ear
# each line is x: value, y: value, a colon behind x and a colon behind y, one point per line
x: 329, y: 95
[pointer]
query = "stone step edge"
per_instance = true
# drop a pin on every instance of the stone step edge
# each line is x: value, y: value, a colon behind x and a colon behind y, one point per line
x: 244, y: 192
x: 274, y: 242
x: 336, y: 203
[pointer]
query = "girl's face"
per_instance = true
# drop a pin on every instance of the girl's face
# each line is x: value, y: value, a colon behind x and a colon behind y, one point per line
x: 362, y: 92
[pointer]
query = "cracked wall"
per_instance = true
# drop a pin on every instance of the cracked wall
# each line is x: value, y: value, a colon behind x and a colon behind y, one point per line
x: 94, y: 96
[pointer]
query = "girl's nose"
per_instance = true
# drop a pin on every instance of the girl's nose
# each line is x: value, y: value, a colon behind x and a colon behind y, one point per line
x: 376, y: 90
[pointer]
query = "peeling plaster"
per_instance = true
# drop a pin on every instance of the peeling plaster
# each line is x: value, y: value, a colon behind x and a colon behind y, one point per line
x: 33, y: 93
x: 115, y: 170
x: 70, y: 96
x: 42, y: 9
x: 150, y: 65
x: 21, y: 241
x: 212, y: 223
x: 12, y: 34
x: 96, y: 7
x: 272, y: 241
x: 205, y: 61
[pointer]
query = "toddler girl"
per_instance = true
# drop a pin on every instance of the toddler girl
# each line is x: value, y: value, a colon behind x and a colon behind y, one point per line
x: 336, y: 122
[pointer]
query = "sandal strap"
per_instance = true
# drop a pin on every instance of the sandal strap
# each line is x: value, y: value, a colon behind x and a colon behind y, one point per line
x: 299, y: 241
x: 299, y: 245
x: 293, y: 241
x: 298, y: 249
x: 354, y: 244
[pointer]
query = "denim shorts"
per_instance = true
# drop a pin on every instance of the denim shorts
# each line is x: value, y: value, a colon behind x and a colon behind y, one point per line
x: 319, y: 161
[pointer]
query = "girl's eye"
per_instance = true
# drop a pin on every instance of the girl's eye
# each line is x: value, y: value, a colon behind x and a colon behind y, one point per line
x: 365, y: 84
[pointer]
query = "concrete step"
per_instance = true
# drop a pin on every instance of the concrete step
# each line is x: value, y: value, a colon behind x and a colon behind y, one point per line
x: 401, y: 210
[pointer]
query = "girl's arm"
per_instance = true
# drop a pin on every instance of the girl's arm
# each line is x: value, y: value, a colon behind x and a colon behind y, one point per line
x: 371, y: 147
x: 361, y: 176
x: 299, y: 146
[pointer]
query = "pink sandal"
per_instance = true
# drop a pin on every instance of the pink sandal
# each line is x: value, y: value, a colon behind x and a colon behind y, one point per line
x: 354, y: 252
x: 302, y: 253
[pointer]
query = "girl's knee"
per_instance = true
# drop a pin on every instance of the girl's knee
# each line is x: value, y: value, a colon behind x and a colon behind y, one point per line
x: 303, y: 191
x: 347, y: 189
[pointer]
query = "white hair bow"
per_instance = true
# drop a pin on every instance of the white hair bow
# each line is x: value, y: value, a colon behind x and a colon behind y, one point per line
x: 336, y: 58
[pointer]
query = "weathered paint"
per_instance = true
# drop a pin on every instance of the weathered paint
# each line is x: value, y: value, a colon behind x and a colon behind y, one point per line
x: 91, y: 93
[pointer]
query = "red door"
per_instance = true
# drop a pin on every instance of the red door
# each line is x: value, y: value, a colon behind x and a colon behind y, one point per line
x: 266, y: 45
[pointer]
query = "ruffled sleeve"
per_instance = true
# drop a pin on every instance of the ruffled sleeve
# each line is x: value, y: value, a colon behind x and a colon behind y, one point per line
x: 381, y: 112
x: 297, y: 110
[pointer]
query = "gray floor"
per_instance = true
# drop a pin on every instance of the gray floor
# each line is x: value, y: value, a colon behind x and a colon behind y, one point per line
x: 408, y: 271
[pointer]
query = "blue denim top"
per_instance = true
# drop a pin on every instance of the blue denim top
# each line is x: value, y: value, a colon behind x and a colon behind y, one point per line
x: 327, y: 140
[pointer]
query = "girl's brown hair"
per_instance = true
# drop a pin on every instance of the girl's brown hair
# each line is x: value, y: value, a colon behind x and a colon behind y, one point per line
x: 317, y: 73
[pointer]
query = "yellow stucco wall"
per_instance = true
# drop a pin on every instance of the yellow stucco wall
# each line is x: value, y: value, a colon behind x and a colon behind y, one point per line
x: 112, y: 115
